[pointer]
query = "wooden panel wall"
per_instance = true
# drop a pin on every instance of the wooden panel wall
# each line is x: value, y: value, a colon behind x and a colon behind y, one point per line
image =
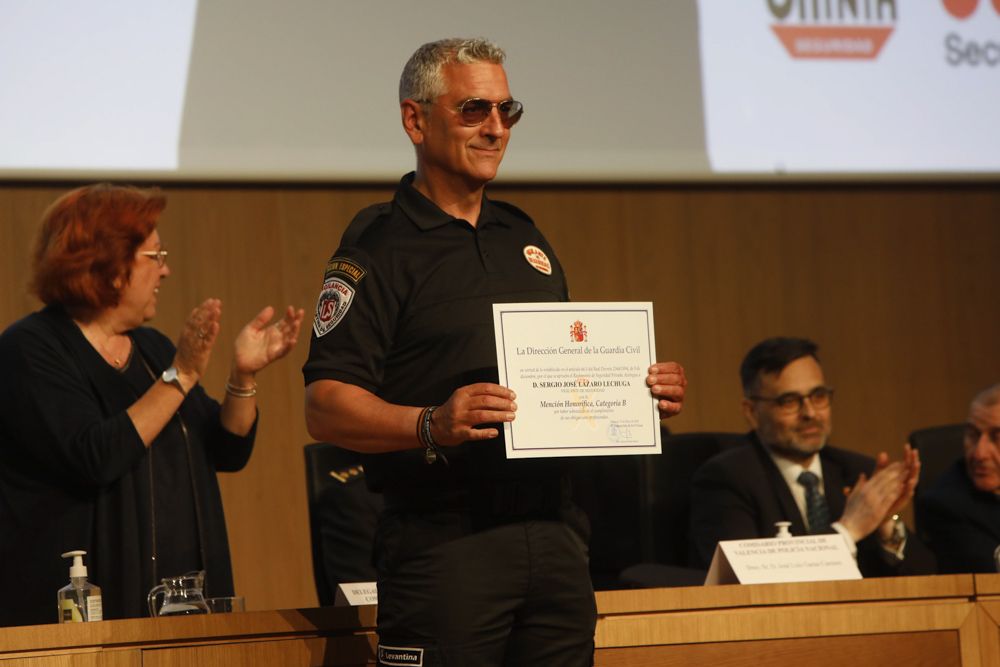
x: 895, y: 282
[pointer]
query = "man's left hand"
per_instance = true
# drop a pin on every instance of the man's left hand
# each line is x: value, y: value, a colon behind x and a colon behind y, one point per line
x: 911, y: 459
x: 668, y: 383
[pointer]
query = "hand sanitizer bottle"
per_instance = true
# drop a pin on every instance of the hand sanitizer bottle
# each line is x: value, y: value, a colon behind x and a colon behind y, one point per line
x: 80, y: 601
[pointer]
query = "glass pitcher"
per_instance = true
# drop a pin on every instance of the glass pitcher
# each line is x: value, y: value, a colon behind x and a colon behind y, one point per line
x: 182, y: 595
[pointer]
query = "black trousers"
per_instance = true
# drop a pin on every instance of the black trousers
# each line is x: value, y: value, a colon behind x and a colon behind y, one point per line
x: 454, y: 594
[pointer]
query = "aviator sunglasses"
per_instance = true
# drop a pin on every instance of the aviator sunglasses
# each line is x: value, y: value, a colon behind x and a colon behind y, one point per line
x: 475, y: 111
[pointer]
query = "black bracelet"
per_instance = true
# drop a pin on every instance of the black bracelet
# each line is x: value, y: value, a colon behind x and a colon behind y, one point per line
x: 430, y: 456
x: 420, y: 426
x: 432, y: 451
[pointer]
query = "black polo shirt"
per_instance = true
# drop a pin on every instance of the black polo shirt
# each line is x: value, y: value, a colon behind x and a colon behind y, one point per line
x: 406, y: 313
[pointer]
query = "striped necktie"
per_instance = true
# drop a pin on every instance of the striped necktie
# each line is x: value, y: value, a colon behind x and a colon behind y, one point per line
x: 817, y: 514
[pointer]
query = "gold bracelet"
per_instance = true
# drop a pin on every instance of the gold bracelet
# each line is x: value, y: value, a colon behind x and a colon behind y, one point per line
x: 241, y: 392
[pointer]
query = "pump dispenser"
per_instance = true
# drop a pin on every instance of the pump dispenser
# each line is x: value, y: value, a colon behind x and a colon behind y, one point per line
x: 783, y: 527
x: 81, y: 600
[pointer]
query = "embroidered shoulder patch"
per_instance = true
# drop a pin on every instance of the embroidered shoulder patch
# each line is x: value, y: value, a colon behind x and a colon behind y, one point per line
x: 334, y: 300
x: 342, y: 266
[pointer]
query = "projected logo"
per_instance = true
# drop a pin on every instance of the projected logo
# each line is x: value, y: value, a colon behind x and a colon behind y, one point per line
x: 834, y: 29
x: 974, y: 46
x: 963, y: 9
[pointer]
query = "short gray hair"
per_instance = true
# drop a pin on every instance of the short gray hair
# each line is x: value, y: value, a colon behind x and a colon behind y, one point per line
x: 422, y: 80
x: 988, y: 397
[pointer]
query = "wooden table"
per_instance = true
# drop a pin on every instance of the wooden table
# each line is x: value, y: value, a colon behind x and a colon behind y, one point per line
x: 988, y: 602
x: 898, y: 622
x: 326, y: 636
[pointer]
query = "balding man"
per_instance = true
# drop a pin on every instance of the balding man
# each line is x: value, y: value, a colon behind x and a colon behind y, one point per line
x: 961, y: 511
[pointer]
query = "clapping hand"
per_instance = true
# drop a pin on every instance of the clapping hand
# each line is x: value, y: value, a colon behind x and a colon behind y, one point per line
x: 911, y: 460
x: 873, y: 500
x: 194, y: 346
x: 260, y: 343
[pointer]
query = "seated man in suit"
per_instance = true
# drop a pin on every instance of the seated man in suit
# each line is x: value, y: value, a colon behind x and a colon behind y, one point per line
x: 961, y: 511
x: 789, y: 473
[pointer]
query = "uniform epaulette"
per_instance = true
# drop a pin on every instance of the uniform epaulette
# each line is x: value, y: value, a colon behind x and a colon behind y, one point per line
x: 514, y: 210
x: 362, y: 220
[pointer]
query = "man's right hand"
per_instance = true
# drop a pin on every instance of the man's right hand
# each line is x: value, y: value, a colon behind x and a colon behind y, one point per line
x: 457, y: 420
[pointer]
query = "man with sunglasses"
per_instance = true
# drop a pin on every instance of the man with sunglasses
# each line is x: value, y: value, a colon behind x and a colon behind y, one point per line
x: 961, y: 511
x: 788, y: 472
x: 481, y: 560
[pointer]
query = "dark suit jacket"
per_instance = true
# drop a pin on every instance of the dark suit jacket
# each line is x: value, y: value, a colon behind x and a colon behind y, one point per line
x: 740, y: 494
x: 962, y: 523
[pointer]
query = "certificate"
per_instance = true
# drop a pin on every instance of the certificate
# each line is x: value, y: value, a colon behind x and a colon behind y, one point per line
x: 579, y: 371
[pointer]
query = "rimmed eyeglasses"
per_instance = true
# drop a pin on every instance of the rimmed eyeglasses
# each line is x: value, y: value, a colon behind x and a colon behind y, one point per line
x: 793, y: 402
x: 159, y: 255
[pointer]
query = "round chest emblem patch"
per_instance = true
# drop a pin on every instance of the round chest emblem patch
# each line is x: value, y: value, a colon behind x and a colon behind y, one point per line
x: 538, y: 259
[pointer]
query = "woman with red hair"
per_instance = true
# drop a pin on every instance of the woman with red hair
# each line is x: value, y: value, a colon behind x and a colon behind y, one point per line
x: 107, y: 441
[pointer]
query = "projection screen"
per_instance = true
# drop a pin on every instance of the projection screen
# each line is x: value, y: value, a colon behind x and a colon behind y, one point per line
x: 636, y: 90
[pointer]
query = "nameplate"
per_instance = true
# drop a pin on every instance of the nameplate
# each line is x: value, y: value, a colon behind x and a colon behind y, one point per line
x: 782, y: 560
x: 356, y: 594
